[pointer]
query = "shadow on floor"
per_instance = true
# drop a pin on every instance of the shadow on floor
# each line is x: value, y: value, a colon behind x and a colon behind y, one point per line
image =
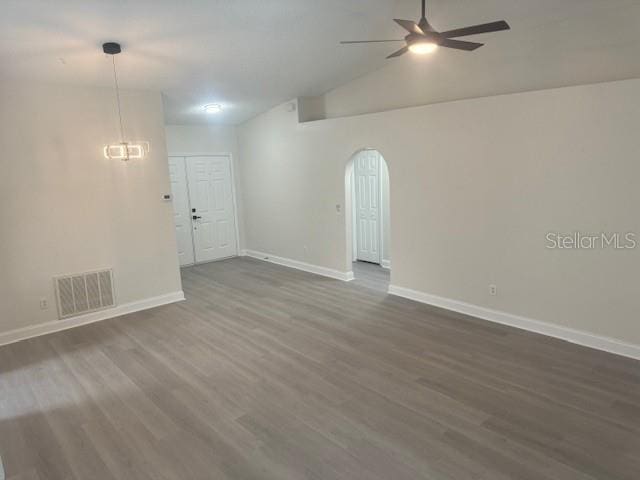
x: 371, y: 275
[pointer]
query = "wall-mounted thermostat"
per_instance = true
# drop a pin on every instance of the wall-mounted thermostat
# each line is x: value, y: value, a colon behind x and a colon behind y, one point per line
x: 166, y: 197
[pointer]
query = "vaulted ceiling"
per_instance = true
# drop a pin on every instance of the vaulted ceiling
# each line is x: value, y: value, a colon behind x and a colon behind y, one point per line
x: 249, y: 55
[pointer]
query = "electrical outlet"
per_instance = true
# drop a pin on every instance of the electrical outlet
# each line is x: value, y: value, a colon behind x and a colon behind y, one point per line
x: 493, y: 290
x: 44, y: 304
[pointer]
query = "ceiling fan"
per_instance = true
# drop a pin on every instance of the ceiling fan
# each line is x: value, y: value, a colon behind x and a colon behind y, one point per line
x: 423, y: 38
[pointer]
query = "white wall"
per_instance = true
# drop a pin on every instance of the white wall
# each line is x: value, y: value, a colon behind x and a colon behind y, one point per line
x: 475, y: 187
x: 209, y: 139
x: 201, y: 139
x: 67, y: 209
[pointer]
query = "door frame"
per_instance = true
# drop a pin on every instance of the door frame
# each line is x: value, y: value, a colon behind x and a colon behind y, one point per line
x: 233, y: 189
x: 349, y: 205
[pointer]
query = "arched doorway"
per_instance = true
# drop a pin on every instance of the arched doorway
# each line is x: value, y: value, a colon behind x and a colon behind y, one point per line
x: 368, y: 218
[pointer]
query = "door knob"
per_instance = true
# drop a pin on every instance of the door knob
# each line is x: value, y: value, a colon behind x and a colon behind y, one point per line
x: 196, y: 217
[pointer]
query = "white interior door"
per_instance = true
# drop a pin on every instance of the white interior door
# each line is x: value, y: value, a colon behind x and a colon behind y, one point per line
x: 212, y: 208
x: 367, y: 187
x: 181, y: 210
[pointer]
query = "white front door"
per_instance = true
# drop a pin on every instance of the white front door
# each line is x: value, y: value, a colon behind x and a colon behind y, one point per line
x: 367, y: 183
x: 181, y: 210
x: 212, y: 209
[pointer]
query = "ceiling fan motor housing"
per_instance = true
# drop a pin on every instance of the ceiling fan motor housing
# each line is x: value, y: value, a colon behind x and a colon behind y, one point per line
x: 425, y: 26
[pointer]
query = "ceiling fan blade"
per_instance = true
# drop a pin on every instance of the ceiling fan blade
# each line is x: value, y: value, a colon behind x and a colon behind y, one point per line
x: 368, y: 41
x: 460, y: 45
x: 402, y: 51
x: 475, y: 29
x: 409, y: 26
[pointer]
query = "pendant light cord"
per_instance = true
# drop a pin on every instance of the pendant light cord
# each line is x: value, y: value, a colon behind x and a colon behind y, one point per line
x: 115, y: 79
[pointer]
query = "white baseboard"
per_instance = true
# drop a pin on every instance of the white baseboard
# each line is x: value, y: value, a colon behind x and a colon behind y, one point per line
x: 385, y: 264
x: 307, y: 267
x: 31, y: 331
x: 579, y: 337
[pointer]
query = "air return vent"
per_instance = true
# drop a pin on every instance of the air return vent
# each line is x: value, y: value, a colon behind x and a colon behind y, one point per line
x: 84, y: 292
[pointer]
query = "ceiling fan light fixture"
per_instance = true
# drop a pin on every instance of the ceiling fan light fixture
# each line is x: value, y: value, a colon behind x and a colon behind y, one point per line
x: 423, y: 47
x: 213, y: 108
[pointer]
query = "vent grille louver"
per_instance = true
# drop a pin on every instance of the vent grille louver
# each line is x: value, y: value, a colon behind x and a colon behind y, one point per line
x: 84, y: 292
x: 93, y: 291
x: 106, y: 290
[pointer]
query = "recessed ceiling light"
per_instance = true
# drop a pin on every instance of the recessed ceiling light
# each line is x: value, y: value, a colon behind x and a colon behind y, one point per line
x: 423, y: 47
x: 213, y: 108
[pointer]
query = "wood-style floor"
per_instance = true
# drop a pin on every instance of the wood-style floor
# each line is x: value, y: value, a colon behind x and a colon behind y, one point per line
x: 271, y: 373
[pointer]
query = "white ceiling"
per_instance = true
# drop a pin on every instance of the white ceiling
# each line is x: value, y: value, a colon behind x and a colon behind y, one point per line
x: 249, y: 55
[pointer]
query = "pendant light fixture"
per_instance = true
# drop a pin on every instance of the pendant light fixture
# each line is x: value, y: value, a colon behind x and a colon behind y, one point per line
x: 123, y: 150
